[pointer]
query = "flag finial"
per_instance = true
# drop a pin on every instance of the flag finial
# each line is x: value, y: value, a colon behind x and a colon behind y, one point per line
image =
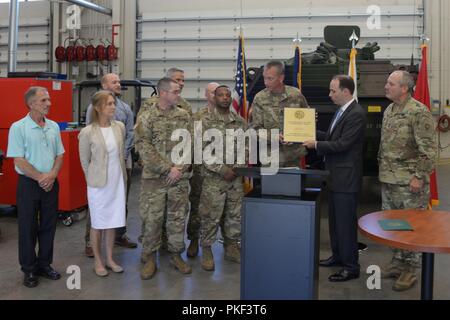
x: 424, y: 39
x: 353, y: 38
x: 297, y: 40
x: 352, y: 63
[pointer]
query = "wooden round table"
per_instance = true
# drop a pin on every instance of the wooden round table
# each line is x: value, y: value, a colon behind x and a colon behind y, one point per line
x: 431, y: 235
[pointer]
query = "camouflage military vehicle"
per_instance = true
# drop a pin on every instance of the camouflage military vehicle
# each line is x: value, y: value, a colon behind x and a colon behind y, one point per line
x: 329, y: 59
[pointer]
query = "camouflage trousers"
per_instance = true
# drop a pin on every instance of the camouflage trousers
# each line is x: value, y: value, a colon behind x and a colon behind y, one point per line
x: 220, y: 205
x: 396, y: 197
x: 156, y: 200
x: 193, y: 226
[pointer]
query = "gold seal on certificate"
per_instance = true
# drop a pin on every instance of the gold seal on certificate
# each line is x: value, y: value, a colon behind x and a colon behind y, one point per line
x: 299, y: 124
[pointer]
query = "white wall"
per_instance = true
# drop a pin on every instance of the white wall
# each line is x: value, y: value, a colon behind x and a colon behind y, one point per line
x: 33, y: 42
x: 200, y: 36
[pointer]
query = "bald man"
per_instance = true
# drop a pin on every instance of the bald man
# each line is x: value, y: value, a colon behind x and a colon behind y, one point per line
x: 124, y: 114
x: 406, y: 159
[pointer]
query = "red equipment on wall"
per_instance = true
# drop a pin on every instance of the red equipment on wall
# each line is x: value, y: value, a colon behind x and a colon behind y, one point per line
x: 443, y: 123
x: 91, y: 54
x: 60, y: 54
x: 71, y: 53
x: 72, y: 193
x: 101, y: 52
x: 80, y: 53
x: 112, y: 52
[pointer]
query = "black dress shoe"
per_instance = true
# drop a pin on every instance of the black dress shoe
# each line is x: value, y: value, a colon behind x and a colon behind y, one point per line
x: 362, y: 247
x: 30, y: 280
x: 49, y: 273
x: 330, y: 262
x: 343, y: 275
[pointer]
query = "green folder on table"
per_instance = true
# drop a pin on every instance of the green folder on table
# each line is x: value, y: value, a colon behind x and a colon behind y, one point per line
x: 395, y: 225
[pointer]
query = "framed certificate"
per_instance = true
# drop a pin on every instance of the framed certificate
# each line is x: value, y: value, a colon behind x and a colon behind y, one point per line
x: 299, y: 124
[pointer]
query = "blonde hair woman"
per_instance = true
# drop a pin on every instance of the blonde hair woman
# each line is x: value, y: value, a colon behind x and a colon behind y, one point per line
x: 102, y: 157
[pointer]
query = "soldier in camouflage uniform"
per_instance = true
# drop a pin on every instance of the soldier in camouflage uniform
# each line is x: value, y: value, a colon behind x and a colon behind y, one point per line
x: 268, y: 106
x: 222, y: 190
x: 193, y: 226
x: 406, y: 159
x: 176, y: 75
x: 181, y: 103
x: 164, y: 184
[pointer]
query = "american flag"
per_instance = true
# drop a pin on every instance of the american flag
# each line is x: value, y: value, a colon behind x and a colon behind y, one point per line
x: 240, y: 88
x: 240, y: 95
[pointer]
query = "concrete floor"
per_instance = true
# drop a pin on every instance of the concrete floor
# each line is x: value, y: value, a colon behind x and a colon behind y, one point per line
x: 223, y: 283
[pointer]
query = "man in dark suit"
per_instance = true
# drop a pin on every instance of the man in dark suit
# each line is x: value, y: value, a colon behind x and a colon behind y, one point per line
x: 342, y: 146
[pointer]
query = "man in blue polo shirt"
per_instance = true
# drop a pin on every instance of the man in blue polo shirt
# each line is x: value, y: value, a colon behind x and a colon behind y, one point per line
x: 35, y: 144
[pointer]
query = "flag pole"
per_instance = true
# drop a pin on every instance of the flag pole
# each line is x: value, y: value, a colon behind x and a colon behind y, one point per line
x: 297, y: 41
x: 247, y: 182
x: 352, y: 63
x: 297, y: 77
x: 244, y: 75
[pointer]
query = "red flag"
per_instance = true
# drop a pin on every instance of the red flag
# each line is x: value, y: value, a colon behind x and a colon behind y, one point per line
x: 422, y: 94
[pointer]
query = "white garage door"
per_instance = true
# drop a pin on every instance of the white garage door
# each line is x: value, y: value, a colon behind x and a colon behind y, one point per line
x: 33, y: 42
x: 201, y: 36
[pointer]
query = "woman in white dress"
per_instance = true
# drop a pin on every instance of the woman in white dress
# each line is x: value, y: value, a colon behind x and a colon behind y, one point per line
x: 103, y: 160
